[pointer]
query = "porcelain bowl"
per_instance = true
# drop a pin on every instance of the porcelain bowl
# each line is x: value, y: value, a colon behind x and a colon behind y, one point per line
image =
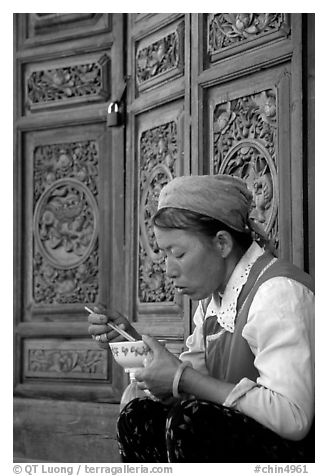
x: 131, y: 355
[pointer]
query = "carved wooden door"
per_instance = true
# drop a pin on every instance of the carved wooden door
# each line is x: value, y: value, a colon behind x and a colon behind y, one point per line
x: 211, y: 93
x: 69, y: 207
x: 207, y: 93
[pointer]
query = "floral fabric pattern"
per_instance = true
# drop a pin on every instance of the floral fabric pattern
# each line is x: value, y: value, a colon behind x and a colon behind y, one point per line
x: 199, y: 431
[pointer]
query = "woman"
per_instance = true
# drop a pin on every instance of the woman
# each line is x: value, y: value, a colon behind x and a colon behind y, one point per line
x: 243, y: 391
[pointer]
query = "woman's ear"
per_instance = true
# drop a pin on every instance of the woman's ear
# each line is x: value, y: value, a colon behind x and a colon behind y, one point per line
x: 224, y: 243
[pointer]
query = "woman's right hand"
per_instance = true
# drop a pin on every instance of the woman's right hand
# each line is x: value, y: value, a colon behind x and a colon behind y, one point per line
x: 98, y: 320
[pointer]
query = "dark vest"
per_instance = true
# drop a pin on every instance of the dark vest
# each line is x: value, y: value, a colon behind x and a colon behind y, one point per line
x: 229, y: 358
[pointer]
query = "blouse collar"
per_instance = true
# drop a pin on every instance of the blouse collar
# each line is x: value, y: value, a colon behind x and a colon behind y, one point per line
x: 225, y: 306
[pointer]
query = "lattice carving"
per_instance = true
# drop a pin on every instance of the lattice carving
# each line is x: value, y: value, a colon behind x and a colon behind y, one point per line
x: 65, y: 252
x: 162, y: 57
x: 66, y: 363
x: 158, y: 154
x: 245, y: 145
x: 76, y: 83
x: 227, y: 29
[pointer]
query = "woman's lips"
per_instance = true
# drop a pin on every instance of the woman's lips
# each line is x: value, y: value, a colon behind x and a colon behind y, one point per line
x: 180, y: 289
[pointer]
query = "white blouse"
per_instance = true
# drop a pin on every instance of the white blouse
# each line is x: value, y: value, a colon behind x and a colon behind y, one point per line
x: 280, y: 333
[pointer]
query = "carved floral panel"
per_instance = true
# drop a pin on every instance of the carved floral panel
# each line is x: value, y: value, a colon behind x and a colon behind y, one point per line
x: 161, y: 59
x: 245, y: 145
x: 66, y: 363
x: 66, y: 84
x: 65, y: 251
x: 231, y: 29
x: 158, y: 155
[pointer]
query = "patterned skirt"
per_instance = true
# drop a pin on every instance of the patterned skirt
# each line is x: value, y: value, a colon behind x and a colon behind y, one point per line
x: 200, y: 431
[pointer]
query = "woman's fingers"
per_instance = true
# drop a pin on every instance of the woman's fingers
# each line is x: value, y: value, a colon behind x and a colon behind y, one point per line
x: 113, y: 316
x: 100, y: 321
x: 96, y: 329
x: 103, y: 333
x: 153, y: 343
x: 94, y: 318
x: 100, y: 309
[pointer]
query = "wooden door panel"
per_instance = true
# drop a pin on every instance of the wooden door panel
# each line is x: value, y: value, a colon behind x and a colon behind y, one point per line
x: 63, y: 209
x: 157, y: 60
x: 64, y: 360
x: 249, y: 136
x: 160, y: 157
x: 156, y: 143
x: 74, y: 80
x: 248, y: 69
x: 66, y: 235
x: 70, y: 234
x: 44, y: 28
x: 230, y: 34
x: 159, y: 56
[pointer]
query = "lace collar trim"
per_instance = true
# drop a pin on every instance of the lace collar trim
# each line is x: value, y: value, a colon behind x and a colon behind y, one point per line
x: 224, y: 306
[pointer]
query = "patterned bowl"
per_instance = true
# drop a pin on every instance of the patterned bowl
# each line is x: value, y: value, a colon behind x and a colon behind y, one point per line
x: 131, y: 355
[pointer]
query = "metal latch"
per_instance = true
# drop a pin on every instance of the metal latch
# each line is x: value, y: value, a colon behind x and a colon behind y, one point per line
x: 113, y: 114
x: 115, y: 111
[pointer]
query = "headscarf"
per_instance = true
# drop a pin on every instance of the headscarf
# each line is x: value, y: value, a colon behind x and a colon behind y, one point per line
x: 222, y: 197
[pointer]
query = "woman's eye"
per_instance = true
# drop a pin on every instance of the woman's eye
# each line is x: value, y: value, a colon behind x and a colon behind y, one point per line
x: 179, y: 256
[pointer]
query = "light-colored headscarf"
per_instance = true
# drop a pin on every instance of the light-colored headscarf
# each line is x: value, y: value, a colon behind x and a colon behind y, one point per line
x: 222, y: 197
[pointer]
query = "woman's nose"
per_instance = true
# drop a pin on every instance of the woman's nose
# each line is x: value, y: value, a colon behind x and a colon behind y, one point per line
x: 172, y: 270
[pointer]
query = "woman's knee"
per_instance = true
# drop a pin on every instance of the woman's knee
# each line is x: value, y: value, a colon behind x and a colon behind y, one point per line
x: 190, y: 411
x: 141, y: 431
x: 140, y: 412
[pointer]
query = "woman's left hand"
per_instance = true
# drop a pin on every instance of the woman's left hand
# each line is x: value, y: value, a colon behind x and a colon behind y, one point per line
x: 158, y: 375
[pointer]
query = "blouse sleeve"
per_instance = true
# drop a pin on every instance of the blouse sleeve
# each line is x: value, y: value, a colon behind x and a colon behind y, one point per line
x: 195, y: 352
x: 280, y: 333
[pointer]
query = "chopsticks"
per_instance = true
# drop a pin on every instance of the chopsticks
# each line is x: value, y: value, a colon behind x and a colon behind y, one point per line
x: 116, y: 328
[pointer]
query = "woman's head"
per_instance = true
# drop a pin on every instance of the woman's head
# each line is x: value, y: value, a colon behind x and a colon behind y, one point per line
x: 202, y: 250
x: 176, y: 218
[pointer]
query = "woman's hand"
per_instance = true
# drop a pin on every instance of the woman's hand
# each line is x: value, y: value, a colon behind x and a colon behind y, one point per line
x: 98, y: 326
x: 158, y: 374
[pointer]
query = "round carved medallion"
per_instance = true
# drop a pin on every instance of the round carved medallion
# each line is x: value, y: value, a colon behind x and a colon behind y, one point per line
x: 66, y: 223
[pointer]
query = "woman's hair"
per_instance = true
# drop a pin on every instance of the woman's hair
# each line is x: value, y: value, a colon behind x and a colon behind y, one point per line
x: 187, y: 220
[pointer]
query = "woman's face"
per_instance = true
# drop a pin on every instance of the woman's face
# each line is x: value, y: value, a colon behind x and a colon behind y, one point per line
x: 193, y: 261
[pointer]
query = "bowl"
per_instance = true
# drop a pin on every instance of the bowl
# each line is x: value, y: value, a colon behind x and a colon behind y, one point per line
x: 131, y: 355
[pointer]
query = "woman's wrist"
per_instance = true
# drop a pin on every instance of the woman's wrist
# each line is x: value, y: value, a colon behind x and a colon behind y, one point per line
x: 177, y: 378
